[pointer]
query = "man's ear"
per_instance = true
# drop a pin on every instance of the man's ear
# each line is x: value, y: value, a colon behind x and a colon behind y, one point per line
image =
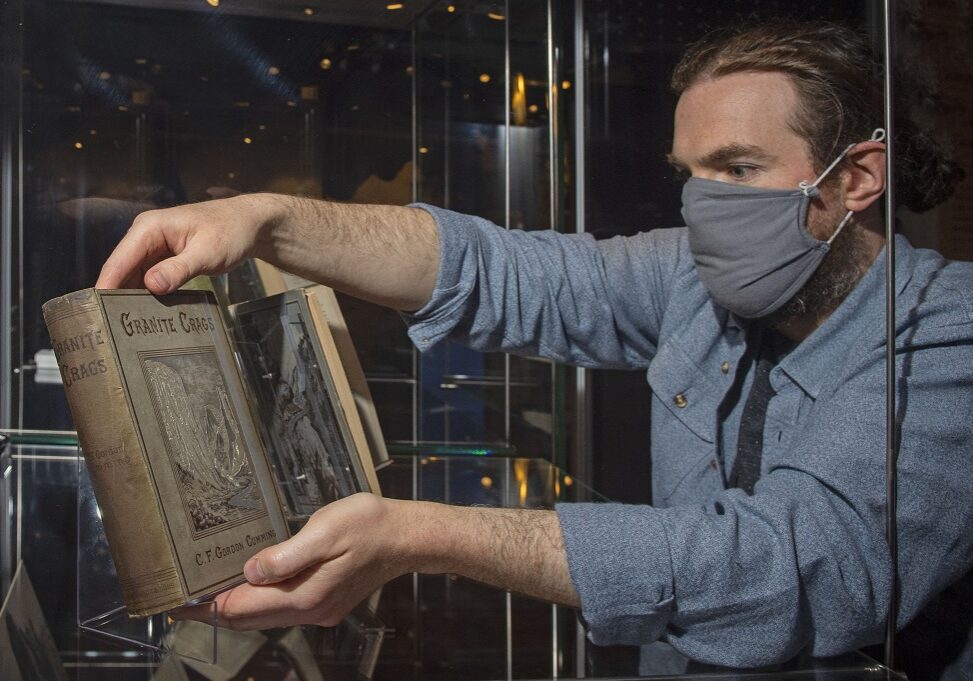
x: 864, y: 175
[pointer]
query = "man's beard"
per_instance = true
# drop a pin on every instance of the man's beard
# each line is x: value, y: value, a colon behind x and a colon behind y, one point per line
x: 839, y: 272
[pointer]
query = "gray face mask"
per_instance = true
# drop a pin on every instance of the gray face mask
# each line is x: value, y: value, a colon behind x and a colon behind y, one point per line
x: 751, y: 245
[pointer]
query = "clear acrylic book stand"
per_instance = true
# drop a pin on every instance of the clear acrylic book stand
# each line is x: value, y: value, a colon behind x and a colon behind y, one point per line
x: 101, y: 609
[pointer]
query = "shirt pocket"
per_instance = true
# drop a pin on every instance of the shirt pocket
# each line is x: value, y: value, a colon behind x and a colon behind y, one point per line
x: 684, y: 420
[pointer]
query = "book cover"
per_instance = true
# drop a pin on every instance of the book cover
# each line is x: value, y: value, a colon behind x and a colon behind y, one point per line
x: 176, y: 462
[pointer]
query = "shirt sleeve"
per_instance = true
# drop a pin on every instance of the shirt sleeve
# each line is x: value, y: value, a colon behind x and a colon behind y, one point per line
x: 803, y: 563
x: 547, y: 294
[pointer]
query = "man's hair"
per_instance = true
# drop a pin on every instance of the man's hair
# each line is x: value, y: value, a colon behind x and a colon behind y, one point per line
x: 840, y: 95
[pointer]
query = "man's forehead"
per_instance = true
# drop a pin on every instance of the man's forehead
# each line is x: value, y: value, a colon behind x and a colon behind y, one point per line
x: 741, y: 110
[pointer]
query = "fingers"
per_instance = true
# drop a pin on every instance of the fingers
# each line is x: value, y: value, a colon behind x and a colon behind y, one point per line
x: 331, y: 531
x: 282, y: 561
x: 172, y: 273
x: 166, y: 248
x: 322, y: 595
x: 139, y: 249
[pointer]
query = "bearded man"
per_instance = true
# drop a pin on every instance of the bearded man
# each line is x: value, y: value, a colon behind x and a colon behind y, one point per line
x: 761, y: 326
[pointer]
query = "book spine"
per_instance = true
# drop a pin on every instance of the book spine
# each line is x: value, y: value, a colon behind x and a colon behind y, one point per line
x: 113, y: 454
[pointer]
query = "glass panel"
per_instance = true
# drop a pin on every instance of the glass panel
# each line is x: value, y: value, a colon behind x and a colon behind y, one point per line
x: 478, y: 156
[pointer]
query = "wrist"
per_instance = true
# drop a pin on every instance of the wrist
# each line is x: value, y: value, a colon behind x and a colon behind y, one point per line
x: 420, y: 533
x: 274, y: 215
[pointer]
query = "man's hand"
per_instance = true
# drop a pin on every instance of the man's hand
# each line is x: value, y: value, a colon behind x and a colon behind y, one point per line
x: 353, y: 546
x: 384, y: 254
x: 346, y: 551
x: 166, y: 248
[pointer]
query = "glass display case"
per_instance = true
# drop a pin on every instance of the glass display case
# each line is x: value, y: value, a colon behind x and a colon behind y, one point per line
x: 130, y: 106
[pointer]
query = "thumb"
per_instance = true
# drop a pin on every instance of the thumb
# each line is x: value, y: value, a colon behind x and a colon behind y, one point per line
x: 284, y: 560
x: 169, y: 274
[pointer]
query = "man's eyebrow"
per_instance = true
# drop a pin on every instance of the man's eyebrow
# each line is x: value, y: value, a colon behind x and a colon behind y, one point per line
x: 731, y: 152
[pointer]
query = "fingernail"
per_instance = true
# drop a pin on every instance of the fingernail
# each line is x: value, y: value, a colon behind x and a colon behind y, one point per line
x: 160, y: 281
x: 253, y: 572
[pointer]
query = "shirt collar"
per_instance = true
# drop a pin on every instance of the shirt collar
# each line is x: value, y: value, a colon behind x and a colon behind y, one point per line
x: 861, y: 313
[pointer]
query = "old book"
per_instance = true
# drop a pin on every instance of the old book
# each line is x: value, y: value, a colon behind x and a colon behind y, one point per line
x: 317, y: 445
x: 175, y: 459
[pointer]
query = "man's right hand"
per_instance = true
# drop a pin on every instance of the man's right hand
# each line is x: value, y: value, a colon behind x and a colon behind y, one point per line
x: 166, y: 248
x: 384, y: 254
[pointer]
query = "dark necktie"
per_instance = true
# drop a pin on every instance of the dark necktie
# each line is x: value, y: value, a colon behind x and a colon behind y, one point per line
x: 750, y: 443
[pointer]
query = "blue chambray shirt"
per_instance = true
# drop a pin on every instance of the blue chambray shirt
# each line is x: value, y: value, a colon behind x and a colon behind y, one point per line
x: 726, y: 578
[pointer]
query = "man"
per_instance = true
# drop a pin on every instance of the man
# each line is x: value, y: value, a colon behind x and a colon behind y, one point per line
x: 761, y: 326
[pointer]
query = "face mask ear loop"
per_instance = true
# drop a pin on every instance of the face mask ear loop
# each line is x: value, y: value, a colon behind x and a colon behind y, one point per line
x: 810, y: 190
x: 841, y: 226
x: 877, y: 136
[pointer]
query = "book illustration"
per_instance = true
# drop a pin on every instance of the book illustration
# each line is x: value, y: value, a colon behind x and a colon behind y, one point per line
x: 216, y: 480
x: 312, y: 476
x: 27, y: 648
x: 311, y: 452
x: 256, y: 279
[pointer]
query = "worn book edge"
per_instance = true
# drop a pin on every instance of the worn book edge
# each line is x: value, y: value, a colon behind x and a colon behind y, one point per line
x: 112, y: 446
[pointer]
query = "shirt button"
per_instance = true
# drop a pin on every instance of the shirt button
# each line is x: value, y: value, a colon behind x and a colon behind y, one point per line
x: 725, y: 367
x: 680, y: 401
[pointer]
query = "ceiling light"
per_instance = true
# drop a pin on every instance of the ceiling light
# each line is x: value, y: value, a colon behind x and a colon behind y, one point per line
x: 484, y: 77
x: 391, y: 7
x: 247, y: 140
x: 451, y: 8
x: 78, y: 145
x: 496, y: 16
x: 274, y: 71
x: 309, y: 11
x: 213, y: 3
x: 325, y: 64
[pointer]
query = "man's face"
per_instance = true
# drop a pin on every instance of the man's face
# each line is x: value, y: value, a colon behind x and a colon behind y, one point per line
x: 736, y: 129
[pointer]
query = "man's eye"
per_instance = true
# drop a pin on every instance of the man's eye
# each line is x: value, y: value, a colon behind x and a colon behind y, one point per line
x: 739, y: 172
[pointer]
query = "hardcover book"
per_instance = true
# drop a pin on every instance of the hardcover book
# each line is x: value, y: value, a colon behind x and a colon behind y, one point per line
x: 175, y: 458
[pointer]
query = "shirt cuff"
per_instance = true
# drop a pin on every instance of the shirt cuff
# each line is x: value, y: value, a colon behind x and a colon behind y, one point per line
x: 620, y: 563
x: 455, y: 280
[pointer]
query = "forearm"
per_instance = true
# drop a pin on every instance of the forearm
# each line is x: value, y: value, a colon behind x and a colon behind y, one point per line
x: 385, y: 254
x: 515, y: 549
